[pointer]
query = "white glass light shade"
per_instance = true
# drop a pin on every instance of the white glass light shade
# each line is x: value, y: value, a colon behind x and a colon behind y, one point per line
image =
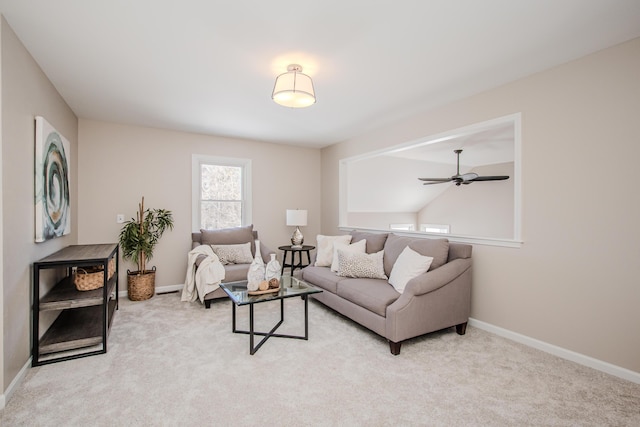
x: 294, y: 89
x: 296, y: 217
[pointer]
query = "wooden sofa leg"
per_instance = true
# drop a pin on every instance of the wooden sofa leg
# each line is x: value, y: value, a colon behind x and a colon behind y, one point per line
x: 207, y: 303
x: 395, y: 347
x: 461, y: 328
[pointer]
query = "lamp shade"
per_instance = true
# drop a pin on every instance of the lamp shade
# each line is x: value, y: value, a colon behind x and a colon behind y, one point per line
x: 296, y: 217
x: 294, y: 89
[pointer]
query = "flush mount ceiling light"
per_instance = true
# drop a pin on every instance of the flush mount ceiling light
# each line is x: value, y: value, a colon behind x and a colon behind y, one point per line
x: 294, y: 89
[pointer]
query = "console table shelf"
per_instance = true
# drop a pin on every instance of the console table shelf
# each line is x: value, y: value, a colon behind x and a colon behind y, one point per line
x: 73, y: 329
x: 65, y: 295
x: 85, y: 317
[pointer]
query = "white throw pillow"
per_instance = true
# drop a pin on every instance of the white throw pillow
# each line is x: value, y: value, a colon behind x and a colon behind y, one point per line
x: 359, y: 246
x: 409, y: 264
x: 324, y: 257
x: 234, y: 254
x: 361, y: 265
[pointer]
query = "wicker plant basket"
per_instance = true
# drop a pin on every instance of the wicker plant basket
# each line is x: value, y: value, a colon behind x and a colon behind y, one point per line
x: 141, y: 287
x: 90, y: 278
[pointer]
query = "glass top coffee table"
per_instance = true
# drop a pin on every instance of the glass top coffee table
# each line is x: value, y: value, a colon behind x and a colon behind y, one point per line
x: 289, y: 287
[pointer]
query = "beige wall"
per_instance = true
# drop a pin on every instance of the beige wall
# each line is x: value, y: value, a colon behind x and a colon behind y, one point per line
x: 26, y: 92
x: 574, y: 281
x: 118, y: 164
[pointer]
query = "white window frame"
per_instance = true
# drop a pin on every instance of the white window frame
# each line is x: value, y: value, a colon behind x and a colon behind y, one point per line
x: 199, y: 159
x: 402, y: 227
x: 435, y: 228
x: 515, y: 242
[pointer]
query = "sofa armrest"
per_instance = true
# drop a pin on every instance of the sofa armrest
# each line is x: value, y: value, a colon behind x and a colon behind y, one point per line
x: 432, y: 280
x: 434, y: 300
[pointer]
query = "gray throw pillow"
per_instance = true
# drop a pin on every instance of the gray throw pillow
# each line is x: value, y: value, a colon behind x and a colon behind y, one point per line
x: 438, y: 249
x: 375, y: 241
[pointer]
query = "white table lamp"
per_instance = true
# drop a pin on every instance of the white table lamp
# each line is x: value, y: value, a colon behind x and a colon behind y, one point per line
x: 296, y: 218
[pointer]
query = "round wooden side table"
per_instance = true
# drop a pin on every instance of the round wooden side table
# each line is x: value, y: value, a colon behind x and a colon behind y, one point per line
x: 292, y: 264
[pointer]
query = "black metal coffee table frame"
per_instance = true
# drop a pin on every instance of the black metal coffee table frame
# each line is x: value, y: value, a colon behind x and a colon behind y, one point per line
x: 237, y: 291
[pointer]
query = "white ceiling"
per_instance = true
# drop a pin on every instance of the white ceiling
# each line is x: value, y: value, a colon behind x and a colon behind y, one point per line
x: 480, y: 147
x: 208, y: 66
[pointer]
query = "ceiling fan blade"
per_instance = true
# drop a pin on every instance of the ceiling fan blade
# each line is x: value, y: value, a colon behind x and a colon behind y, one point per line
x: 491, y: 178
x: 466, y: 178
x: 436, y: 182
x: 436, y: 179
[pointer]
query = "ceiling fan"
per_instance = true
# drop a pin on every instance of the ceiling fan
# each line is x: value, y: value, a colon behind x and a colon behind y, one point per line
x: 466, y: 178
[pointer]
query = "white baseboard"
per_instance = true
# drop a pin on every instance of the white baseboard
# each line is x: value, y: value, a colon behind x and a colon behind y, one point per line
x: 563, y: 353
x: 4, y: 398
x: 159, y: 290
x: 169, y: 288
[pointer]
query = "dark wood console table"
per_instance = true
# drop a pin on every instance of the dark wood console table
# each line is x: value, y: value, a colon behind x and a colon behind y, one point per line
x: 83, y: 317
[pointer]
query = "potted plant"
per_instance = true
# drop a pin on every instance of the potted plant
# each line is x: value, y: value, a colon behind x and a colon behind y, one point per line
x: 138, y: 238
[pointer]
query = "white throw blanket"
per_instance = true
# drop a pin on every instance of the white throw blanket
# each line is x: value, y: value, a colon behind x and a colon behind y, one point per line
x: 206, y: 278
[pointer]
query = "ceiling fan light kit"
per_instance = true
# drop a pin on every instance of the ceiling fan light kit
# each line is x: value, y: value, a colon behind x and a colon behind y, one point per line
x: 466, y: 178
x: 294, y: 89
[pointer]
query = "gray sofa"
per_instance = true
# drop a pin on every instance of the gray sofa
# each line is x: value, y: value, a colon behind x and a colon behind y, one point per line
x: 435, y: 300
x: 229, y: 236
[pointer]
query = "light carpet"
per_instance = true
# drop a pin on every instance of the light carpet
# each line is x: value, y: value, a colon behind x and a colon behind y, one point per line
x: 173, y: 363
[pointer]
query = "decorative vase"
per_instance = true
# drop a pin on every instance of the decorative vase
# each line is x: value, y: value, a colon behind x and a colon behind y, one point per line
x: 273, y: 269
x: 256, y: 270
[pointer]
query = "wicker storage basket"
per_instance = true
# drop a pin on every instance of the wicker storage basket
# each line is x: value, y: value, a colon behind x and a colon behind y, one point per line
x: 141, y: 287
x: 90, y: 278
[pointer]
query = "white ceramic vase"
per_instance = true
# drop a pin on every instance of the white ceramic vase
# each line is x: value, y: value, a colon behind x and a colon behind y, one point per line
x: 255, y: 275
x: 273, y: 269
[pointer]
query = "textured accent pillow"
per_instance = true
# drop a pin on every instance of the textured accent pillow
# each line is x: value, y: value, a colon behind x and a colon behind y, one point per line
x: 361, y: 265
x: 324, y: 257
x: 409, y: 264
x: 234, y: 254
x: 360, y: 246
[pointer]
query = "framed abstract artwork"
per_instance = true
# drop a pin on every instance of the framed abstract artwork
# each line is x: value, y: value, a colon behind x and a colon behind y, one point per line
x: 52, y: 203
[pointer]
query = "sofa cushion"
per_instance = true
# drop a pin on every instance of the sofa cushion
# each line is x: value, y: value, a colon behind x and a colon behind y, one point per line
x: 409, y: 264
x: 359, y: 246
x: 373, y: 294
x: 322, y: 277
x: 438, y: 249
x: 229, y: 236
x: 324, y: 255
x: 359, y: 265
x: 234, y: 254
x: 375, y: 241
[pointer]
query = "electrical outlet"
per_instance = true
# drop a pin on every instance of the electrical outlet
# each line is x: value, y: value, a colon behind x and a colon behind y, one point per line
x: 120, y: 218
